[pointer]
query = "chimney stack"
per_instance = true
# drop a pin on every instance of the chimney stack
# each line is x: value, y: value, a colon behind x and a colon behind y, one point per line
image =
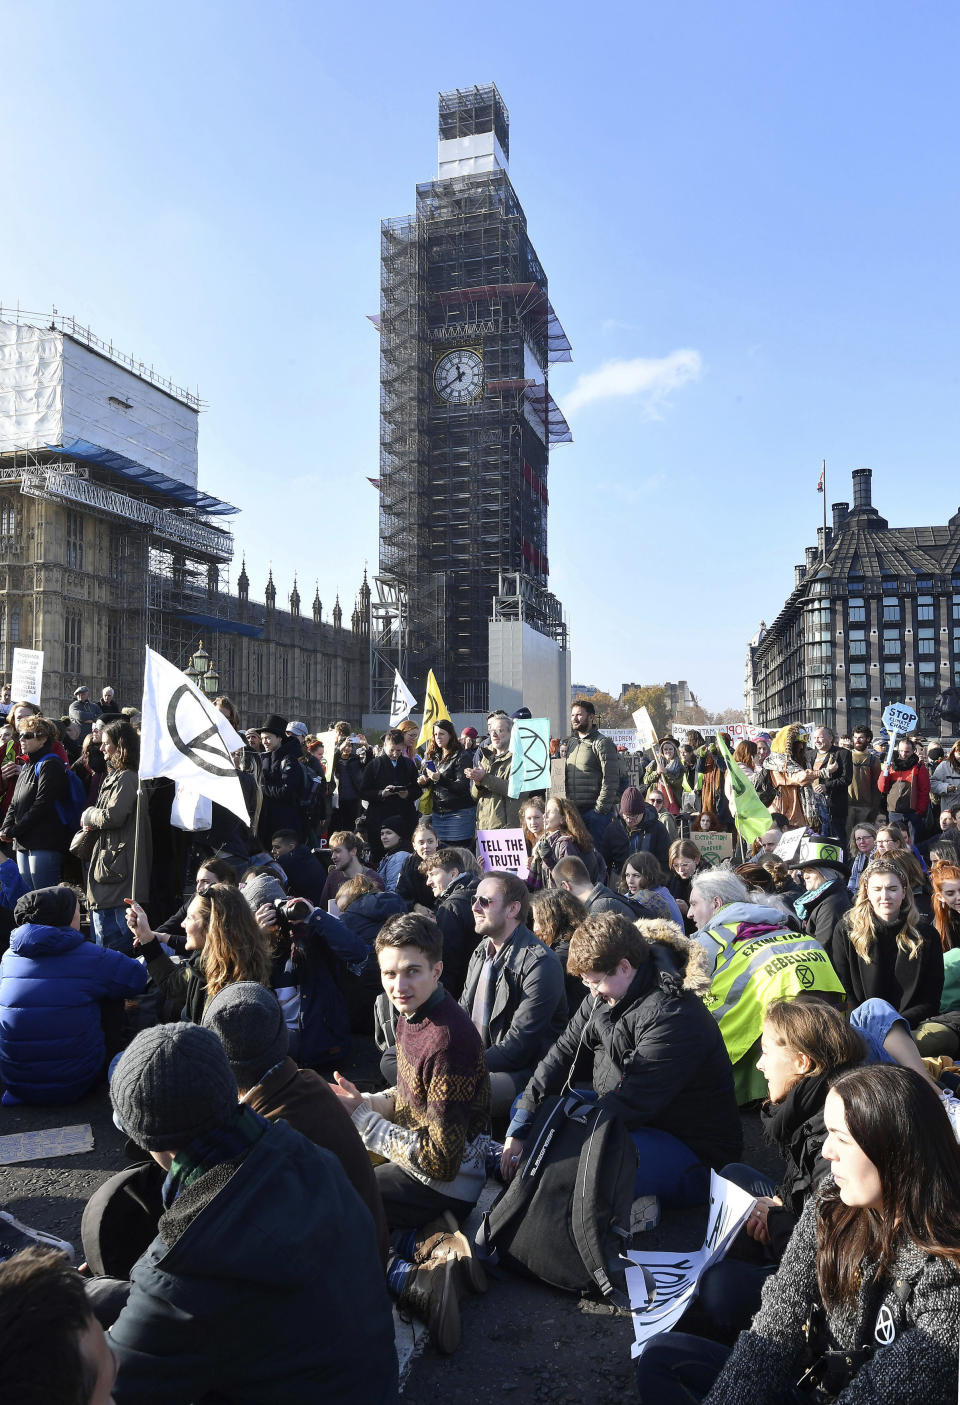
x: 840, y: 512
x: 811, y: 554
x: 799, y: 572
x: 861, y: 487
x: 825, y: 538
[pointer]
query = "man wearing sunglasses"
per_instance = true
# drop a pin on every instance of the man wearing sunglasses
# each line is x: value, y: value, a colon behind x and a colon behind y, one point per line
x: 514, y: 990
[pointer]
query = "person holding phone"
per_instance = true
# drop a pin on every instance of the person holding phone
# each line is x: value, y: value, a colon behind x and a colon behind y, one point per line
x: 389, y: 786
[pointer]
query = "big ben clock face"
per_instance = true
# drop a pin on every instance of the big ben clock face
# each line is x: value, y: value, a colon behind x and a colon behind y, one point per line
x: 458, y: 376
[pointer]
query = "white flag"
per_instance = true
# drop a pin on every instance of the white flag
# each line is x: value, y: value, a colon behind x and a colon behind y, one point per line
x: 402, y: 702
x: 185, y: 737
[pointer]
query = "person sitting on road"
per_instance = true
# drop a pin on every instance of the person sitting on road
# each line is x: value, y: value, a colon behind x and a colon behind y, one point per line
x: 345, y: 864
x: 262, y: 1239
x: 645, y: 882
x: 52, y: 983
x: 306, y: 875
x: 514, y: 988
x: 636, y: 828
x: 596, y: 897
x: 754, y: 958
x: 555, y: 914
x: 453, y: 886
x: 659, y: 1060
x: 432, y: 1129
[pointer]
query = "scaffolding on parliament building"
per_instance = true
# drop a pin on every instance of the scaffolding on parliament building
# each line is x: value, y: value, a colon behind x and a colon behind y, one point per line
x: 464, y: 488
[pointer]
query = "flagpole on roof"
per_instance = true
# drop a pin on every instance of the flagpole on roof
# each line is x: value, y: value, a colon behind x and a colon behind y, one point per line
x: 823, y: 489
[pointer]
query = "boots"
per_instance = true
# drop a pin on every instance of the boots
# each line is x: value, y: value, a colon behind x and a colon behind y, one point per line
x: 444, y: 1235
x: 430, y: 1293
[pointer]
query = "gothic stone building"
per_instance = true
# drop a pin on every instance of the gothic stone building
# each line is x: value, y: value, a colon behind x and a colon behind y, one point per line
x: 874, y: 618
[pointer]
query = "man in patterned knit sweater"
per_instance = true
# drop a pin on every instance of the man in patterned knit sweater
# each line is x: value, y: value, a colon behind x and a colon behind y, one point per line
x: 432, y: 1130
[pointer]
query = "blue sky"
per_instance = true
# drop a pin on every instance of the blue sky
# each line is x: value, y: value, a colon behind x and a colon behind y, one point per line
x: 748, y: 214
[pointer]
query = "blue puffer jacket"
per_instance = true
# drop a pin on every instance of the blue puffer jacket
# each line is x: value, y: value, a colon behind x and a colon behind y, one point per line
x: 51, y: 980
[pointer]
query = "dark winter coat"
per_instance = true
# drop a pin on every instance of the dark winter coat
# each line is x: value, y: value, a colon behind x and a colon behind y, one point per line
x: 913, y: 987
x: 528, y: 1007
x: 32, y: 818
x: 51, y: 982
x: 315, y: 961
x: 796, y: 1128
x: 365, y: 917
x: 349, y: 772
x: 306, y: 875
x: 367, y: 914
x: 264, y: 1286
x: 819, y: 918
x: 182, y: 984
x: 649, y: 837
x: 283, y: 786
x: 449, y: 786
x: 379, y: 773
x: 412, y: 886
x: 658, y: 1057
x: 453, y: 914
x: 835, y: 775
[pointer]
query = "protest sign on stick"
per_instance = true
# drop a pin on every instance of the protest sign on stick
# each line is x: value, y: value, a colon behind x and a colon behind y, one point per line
x: 502, y: 851
x: 27, y: 676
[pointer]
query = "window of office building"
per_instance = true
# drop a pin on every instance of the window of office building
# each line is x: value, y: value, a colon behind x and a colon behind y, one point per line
x: 926, y: 675
x: 857, y: 643
x: 891, y: 609
x: 892, y: 677
x: 891, y: 641
x: 925, y: 608
x: 926, y: 640
x: 856, y: 610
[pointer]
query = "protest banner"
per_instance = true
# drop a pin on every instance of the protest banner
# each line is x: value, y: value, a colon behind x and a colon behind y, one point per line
x: 502, y: 851
x: 662, y: 1285
x: 622, y: 736
x: 898, y: 718
x: 27, y: 676
x: 714, y: 845
x: 48, y: 1142
x: 789, y: 844
x: 530, y: 767
x: 646, y: 732
x: 558, y: 777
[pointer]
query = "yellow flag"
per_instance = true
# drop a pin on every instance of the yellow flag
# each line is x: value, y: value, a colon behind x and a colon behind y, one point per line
x: 434, y: 708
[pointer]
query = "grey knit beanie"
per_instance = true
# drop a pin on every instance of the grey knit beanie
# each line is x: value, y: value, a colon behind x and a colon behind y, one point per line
x: 248, y: 1021
x: 263, y: 888
x: 172, y: 1084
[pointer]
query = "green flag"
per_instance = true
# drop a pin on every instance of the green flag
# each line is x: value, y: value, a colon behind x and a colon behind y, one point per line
x: 752, y: 816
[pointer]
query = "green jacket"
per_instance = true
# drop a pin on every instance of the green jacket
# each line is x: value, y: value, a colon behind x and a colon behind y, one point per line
x: 495, y: 809
x: 593, y: 771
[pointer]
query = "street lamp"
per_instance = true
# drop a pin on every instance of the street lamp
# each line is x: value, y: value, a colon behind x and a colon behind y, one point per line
x: 203, y: 672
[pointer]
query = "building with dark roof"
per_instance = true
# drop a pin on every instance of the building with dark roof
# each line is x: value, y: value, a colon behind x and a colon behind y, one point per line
x: 873, y: 618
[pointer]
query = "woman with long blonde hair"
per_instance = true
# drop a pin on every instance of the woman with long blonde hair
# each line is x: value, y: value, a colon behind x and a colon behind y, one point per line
x: 224, y: 945
x: 882, y: 949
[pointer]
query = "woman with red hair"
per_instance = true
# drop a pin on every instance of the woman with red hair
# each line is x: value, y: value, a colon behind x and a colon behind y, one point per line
x: 940, y: 1034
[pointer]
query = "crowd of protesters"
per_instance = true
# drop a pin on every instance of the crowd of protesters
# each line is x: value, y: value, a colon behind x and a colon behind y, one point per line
x: 269, y: 1209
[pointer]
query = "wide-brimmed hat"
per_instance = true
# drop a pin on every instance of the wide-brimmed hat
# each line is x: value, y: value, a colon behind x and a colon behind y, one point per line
x: 813, y: 852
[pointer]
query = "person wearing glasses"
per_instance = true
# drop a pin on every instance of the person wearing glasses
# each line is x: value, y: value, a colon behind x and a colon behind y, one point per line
x: 32, y: 821
x: 514, y: 988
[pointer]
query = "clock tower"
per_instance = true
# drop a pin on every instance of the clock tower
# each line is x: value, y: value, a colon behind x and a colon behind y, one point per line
x: 467, y: 335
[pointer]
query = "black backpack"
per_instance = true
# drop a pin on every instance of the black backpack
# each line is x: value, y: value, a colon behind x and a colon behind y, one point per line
x: 565, y: 1217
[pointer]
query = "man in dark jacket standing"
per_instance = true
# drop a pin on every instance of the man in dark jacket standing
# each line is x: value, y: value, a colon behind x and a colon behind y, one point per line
x: 264, y: 1283
x: 833, y: 772
x: 593, y: 769
x: 389, y: 787
x: 281, y: 780
x: 514, y: 989
x: 659, y: 1061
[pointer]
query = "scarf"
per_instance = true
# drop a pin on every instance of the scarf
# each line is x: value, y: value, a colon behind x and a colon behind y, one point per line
x: 230, y: 1142
x: 805, y: 902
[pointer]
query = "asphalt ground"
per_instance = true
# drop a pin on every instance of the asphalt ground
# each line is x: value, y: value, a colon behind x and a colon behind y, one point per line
x: 521, y: 1340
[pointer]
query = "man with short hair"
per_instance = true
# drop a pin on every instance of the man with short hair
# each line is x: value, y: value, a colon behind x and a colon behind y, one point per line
x: 864, y: 794
x: 83, y: 711
x: 905, y: 784
x: 5, y: 702
x: 52, y: 1348
x: 572, y: 874
x: 514, y: 989
x: 261, y: 1239
x: 389, y: 786
x: 345, y: 863
x: 946, y: 843
x: 306, y: 875
x: 453, y: 891
x: 832, y: 770
x: 491, y: 778
x: 432, y: 1130
x: 592, y: 769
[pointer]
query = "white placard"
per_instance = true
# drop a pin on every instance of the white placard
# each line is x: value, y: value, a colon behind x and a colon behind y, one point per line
x: 27, y: 675
x: 646, y: 732
x: 502, y: 851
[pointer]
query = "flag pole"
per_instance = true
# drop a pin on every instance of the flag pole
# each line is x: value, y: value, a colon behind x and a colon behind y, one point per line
x: 136, y: 842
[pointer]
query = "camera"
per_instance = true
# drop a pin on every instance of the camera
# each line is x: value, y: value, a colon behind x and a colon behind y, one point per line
x: 290, y: 910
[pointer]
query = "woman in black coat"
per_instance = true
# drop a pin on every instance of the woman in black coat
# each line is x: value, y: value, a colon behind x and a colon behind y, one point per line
x: 825, y: 900
x: 444, y: 774
x: 32, y: 821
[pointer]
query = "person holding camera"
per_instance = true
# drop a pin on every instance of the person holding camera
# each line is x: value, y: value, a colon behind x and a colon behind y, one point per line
x: 310, y: 953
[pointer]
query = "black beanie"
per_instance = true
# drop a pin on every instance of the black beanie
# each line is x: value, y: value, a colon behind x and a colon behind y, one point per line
x: 47, y: 907
x: 248, y: 1021
x: 275, y: 724
x: 173, y: 1084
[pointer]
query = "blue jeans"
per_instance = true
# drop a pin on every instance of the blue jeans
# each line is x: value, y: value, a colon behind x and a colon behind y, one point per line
x: 40, y: 868
x: 677, y: 1369
x: 596, y: 824
x: 110, y: 929
x: 873, y: 1020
